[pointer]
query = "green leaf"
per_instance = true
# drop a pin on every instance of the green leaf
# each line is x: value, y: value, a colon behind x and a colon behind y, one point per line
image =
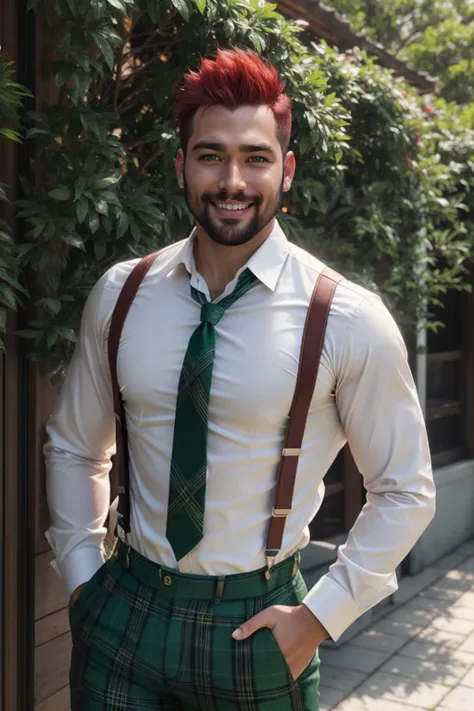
x: 267, y: 12
x: 122, y: 225
x: 330, y: 99
x: 201, y: 5
x: 62, y: 194
x: 81, y: 210
x: 111, y: 198
x: 9, y: 133
x: 182, y: 7
x: 36, y: 132
x: 105, y: 182
x: 26, y: 333
x: 134, y: 229
x: 81, y: 79
x: 53, y: 304
x: 74, y: 241
x: 93, y: 221
x: 118, y: 5
x: 7, y: 297
x: 79, y: 186
x: 63, y: 74
x: 255, y: 40
x: 101, y: 207
x: 100, y: 248
x: 106, y: 50
x: 52, y: 338
x: 39, y: 227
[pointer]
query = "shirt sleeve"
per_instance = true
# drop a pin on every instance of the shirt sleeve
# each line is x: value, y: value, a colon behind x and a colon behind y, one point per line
x: 81, y: 441
x: 383, y: 422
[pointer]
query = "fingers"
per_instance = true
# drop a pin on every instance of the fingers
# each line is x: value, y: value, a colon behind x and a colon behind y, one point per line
x: 263, y: 619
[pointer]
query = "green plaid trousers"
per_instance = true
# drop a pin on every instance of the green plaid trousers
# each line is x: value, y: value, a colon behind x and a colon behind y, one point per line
x: 150, y: 638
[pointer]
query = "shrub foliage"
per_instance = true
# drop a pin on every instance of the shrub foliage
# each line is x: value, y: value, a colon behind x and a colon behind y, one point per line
x: 382, y: 188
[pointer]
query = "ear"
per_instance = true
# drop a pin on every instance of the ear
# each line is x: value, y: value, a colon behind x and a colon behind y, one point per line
x: 179, y: 165
x: 289, y: 167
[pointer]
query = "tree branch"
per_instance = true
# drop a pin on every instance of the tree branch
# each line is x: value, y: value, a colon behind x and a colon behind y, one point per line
x: 410, y: 36
x: 150, y: 160
x: 118, y: 79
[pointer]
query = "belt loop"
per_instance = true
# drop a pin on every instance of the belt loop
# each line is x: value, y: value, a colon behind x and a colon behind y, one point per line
x: 220, y: 587
x: 114, y: 551
x: 122, y: 551
x: 296, y: 564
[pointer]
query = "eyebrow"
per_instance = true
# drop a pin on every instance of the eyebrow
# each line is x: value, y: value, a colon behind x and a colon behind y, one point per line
x: 245, y: 148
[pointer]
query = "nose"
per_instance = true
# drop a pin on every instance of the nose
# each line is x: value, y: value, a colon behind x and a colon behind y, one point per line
x: 232, y: 179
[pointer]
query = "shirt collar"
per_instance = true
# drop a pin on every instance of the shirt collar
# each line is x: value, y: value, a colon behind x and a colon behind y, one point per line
x: 266, y: 263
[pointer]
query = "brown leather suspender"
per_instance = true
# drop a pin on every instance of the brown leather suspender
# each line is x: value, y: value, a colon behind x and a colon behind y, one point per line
x: 120, y: 476
x: 310, y: 355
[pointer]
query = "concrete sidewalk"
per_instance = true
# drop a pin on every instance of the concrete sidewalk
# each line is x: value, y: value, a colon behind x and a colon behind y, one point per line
x: 418, y: 654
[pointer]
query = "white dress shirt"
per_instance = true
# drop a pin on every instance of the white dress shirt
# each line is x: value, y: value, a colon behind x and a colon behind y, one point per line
x: 364, y: 394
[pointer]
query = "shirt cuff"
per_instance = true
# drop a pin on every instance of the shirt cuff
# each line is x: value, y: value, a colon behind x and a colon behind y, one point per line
x: 332, y: 606
x: 80, y: 565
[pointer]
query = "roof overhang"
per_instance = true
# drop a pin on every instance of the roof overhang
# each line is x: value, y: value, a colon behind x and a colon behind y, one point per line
x: 326, y: 23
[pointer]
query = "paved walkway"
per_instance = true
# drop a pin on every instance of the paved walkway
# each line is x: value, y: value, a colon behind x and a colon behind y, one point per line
x: 418, y: 654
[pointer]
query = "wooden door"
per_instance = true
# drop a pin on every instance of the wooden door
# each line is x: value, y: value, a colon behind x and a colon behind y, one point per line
x: 11, y: 501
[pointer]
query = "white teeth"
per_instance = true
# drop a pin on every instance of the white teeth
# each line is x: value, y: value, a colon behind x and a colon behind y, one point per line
x: 226, y: 206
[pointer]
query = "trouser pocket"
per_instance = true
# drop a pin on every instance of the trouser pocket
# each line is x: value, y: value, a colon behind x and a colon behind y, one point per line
x: 76, y: 610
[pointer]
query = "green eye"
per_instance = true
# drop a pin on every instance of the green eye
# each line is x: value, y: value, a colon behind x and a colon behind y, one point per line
x: 258, y: 159
x: 210, y: 157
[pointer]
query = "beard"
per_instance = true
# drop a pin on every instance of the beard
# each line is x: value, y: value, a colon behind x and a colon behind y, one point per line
x: 229, y: 231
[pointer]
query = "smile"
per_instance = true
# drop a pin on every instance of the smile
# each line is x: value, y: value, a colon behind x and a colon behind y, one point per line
x: 233, y: 207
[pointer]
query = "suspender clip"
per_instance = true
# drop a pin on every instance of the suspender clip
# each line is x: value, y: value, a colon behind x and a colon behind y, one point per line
x: 297, y: 563
x: 220, y: 587
x: 291, y: 451
x: 270, y: 556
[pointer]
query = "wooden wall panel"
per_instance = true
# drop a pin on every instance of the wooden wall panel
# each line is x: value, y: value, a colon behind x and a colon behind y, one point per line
x: 52, y: 638
x: 52, y: 667
x: 57, y: 702
x: 9, y: 474
x: 469, y: 331
x: 42, y: 398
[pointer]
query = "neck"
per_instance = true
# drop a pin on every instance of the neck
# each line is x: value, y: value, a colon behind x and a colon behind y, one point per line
x: 218, y: 264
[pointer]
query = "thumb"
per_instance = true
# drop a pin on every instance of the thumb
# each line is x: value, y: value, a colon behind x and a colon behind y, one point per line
x: 262, y: 619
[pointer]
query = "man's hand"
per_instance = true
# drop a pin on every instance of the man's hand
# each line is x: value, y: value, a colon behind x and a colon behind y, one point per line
x: 297, y: 631
x: 75, y: 595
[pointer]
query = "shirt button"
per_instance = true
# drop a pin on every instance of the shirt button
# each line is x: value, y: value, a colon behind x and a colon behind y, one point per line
x: 167, y: 581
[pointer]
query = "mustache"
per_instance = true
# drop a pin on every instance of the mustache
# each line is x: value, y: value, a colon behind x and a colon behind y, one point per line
x: 223, y: 195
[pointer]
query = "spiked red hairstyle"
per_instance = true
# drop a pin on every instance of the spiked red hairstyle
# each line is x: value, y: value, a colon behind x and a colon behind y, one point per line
x: 234, y: 78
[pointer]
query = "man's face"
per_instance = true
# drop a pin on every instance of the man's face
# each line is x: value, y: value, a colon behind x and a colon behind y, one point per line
x: 234, y: 172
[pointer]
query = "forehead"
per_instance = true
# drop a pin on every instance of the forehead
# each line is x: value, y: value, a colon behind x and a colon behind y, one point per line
x: 244, y: 125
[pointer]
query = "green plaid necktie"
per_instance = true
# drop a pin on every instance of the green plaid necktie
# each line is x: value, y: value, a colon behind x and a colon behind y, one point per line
x: 188, y: 473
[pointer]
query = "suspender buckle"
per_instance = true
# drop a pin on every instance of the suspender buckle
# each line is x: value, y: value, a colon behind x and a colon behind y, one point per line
x: 291, y: 451
x: 280, y: 513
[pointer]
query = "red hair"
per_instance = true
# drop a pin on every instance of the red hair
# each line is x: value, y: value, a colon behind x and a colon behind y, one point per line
x: 234, y: 78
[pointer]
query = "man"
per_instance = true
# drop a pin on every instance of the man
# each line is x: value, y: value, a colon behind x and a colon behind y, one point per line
x: 146, y: 635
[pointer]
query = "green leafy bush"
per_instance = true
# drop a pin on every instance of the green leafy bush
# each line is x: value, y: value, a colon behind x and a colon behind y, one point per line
x: 11, y: 96
x: 368, y: 196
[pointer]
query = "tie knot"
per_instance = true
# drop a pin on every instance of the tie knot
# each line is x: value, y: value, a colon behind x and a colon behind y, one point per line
x: 212, y: 313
